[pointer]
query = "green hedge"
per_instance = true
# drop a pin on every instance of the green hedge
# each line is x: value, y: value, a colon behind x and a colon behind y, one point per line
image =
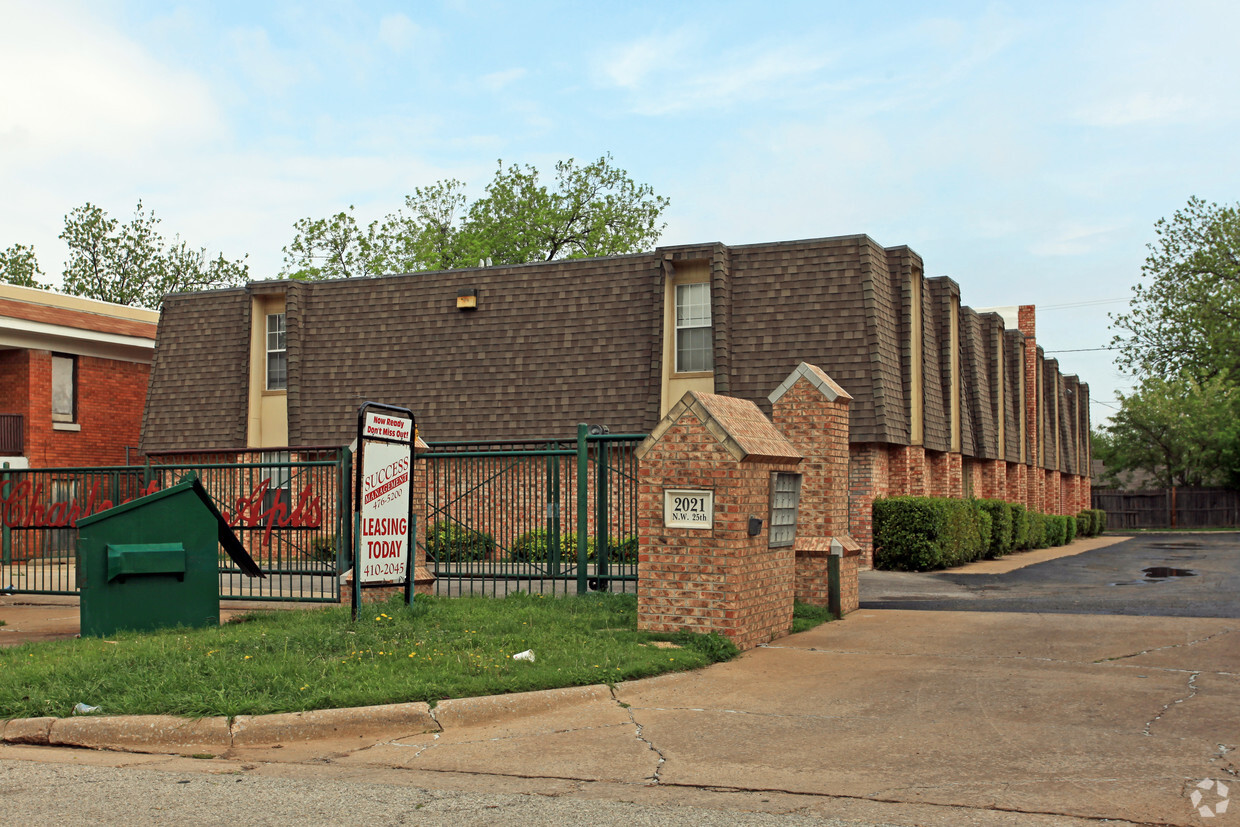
x: 1091, y: 522
x: 1056, y: 530
x: 1002, y: 526
x: 1085, y: 524
x: 921, y: 533
x: 1021, y: 526
x: 532, y: 547
x: 1100, y: 521
x: 449, y: 542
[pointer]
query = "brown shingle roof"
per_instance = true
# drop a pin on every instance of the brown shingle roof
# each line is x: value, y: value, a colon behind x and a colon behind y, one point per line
x: 739, y: 425
x: 199, y: 385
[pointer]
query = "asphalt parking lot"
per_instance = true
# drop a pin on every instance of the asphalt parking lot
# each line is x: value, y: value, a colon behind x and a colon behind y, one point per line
x: 1173, y: 575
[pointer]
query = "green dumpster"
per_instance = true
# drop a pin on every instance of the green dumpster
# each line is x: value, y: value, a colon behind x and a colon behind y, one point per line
x: 153, y: 562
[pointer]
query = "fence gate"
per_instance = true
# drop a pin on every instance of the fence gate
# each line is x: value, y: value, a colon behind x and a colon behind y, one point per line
x: 288, y: 506
x: 542, y: 516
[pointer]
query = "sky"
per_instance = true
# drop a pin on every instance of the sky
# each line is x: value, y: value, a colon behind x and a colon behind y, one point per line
x: 1025, y: 150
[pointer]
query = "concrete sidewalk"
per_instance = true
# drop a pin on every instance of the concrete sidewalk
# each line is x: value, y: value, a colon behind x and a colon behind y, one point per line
x: 943, y: 718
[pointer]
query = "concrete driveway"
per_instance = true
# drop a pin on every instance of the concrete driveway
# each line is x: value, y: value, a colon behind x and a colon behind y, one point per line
x: 892, y: 716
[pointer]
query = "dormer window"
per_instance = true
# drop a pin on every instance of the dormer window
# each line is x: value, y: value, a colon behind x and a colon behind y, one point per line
x: 694, y: 345
x: 277, y: 354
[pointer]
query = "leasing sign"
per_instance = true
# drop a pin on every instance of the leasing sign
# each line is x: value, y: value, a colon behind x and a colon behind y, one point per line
x: 385, y: 524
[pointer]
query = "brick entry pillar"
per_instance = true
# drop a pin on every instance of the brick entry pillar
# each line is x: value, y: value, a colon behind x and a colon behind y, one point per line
x: 719, y: 577
x: 868, y: 479
x: 811, y: 410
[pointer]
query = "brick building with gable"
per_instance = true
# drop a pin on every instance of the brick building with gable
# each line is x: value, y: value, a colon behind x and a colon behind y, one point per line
x: 946, y: 400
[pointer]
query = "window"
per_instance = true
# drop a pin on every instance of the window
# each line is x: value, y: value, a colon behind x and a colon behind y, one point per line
x: 277, y: 356
x: 279, y: 490
x: 693, y: 334
x: 64, y: 388
x: 785, y: 497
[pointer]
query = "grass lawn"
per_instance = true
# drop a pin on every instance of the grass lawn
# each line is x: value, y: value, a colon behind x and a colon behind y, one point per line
x: 288, y: 661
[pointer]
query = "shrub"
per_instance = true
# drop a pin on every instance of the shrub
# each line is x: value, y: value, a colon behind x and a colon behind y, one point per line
x: 532, y: 547
x: 983, y: 528
x: 1085, y: 524
x: 1100, y: 520
x: 1037, y: 530
x: 323, y: 547
x: 623, y: 551
x: 1056, y: 529
x: 920, y: 533
x: 1069, y: 525
x: 449, y: 542
x: 1001, y: 526
x: 1020, y: 527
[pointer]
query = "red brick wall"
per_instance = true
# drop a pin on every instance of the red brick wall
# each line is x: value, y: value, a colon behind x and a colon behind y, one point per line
x: 869, y: 477
x: 110, y: 397
x: 991, y: 480
x: 719, y: 580
x: 818, y: 427
x: 813, y: 585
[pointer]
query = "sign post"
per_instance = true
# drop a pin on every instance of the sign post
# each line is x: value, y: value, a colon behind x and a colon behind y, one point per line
x: 383, y: 528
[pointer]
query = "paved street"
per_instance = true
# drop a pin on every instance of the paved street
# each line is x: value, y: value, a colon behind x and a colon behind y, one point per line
x: 893, y: 716
x: 1170, y: 575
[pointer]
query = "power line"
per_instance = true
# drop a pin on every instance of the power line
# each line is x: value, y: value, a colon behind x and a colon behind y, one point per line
x: 1083, y: 304
x: 1081, y: 350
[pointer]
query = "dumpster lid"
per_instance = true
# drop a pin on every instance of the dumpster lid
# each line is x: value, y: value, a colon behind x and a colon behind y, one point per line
x: 227, y: 537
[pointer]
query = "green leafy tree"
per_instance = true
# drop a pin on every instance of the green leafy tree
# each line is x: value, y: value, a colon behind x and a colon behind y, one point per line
x: 1180, y: 431
x: 591, y: 210
x: 19, y: 266
x: 1181, y: 339
x: 132, y: 263
x: 1185, y: 313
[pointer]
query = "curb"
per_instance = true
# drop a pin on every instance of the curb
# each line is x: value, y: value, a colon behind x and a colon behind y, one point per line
x: 214, y: 736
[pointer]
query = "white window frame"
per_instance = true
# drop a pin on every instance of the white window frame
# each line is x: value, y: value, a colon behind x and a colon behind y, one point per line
x: 280, y: 489
x: 277, y: 348
x: 687, y: 320
x: 64, y: 383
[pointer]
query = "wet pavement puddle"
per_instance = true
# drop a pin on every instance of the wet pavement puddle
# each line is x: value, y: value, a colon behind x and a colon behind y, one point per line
x: 1156, y: 574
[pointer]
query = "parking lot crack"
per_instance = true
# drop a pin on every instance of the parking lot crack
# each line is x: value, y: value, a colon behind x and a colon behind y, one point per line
x: 1192, y: 693
x: 1186, y: 644
x: 639, y: 730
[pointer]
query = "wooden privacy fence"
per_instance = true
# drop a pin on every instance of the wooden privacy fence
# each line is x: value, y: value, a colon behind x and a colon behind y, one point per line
x: 1170, y: 508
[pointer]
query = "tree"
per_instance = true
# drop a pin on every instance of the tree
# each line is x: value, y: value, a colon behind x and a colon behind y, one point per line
x: 1185, y: 314
x: 133, y: 264
x: 1181, y: 431
x: 593, y: 210
x: 19, y: 266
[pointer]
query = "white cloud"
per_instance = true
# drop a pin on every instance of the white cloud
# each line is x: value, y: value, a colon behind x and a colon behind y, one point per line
x: 497, y: 81
x: 398, y: 32
x: 673, y: 73
x: 76, y: 85
x: 1074, y: 240
x: 1138, y: 108
x: 271, y: 70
